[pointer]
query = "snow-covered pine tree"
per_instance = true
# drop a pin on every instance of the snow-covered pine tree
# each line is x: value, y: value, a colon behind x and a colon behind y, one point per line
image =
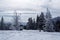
x: 41, y: 21
x: 48, y: 14
x: 48, y: 24
x: 49, y: 27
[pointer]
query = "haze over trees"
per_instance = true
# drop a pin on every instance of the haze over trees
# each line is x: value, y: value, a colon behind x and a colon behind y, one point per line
x: 42, y: 22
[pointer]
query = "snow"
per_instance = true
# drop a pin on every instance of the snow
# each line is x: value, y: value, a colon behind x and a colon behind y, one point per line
x: 29, y: 35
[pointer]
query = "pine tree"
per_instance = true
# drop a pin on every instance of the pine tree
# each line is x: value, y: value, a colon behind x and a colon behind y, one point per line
x: 31, y: 24
x: 34, y: 24
x: 37, y: 22
x: 48, y: 15
x: 48, y: 24
x: 2, y: 24
x: 41, y: 21
x: 49, y: 27
x: 37, y: 19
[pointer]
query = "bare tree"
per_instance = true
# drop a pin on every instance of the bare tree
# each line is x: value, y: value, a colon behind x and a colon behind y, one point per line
x: 15, y: 22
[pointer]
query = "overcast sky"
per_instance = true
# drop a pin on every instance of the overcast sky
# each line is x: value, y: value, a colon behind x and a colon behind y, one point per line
x: 29, y: 6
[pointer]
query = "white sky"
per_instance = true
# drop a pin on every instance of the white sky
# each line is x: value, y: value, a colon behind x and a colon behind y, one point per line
x: 29, y: 6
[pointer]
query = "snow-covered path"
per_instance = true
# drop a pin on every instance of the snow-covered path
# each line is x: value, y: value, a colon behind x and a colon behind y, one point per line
x: 29, y: 35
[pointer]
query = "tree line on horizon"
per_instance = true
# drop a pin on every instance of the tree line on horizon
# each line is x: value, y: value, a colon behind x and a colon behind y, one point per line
x: 42, y: 22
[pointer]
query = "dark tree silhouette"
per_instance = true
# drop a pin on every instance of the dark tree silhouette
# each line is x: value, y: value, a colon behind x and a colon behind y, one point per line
x: 41, y: 21
x: 31, y: 24
x: 2, y: 24
x: 57, y: 26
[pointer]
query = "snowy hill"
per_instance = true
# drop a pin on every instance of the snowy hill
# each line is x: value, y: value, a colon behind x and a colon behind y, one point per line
x: 29, y: 35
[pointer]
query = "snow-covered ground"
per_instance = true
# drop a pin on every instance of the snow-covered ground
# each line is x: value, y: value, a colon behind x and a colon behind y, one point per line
x: 29, y: 35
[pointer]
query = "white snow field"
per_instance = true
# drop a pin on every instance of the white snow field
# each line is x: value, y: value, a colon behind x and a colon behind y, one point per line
x: 29, y: 35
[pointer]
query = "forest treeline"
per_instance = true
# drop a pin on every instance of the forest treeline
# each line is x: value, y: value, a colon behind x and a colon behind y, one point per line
x: 42, y: 22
